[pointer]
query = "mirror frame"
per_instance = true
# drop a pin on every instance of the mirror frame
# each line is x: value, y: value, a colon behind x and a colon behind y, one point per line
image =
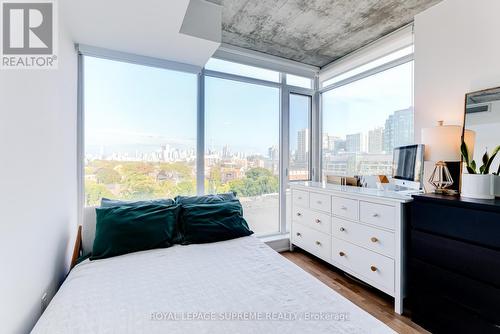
x: 463, y: 128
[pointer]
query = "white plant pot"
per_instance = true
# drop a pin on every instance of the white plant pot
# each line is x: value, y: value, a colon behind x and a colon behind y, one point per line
x: 480, y: 186
x: 497, y: 185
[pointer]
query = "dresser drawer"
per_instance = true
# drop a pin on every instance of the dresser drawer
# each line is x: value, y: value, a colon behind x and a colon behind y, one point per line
x: 377, y: 214
x: 438, y: 314
x: 300, y: 198
x: 368, y: 237
x: 314, y: 219
x: 477, y: 226
x: 372, y: 266
x: 474, y: 296
x: 313, y: 241
x: 320, y: 202
x: 300, y: 214
x: 345, y: 207
x: 457, y: 256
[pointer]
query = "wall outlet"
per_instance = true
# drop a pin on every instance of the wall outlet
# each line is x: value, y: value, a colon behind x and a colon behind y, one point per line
x: 44, y: 301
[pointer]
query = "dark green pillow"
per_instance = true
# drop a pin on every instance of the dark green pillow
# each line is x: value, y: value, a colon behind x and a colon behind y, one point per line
x: 206, y: 199
x: 106, y: 202
x: 126, y: 229
x: 202, y: 223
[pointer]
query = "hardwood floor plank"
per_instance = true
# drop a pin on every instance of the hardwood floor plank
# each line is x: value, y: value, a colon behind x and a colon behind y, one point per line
x: 375, y: 302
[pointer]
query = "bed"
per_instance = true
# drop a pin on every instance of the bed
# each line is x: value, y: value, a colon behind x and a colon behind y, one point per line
x: 234, y: 286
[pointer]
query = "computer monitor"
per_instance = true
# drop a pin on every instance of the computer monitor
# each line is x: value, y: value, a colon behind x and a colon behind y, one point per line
x: 408, y: 166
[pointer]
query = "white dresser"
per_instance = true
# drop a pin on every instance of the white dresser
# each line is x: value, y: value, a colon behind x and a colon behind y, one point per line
x: 358, y: 230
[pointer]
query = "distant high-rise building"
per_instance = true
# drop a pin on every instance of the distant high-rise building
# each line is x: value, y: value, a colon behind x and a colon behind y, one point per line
x: 226, y: 153
x: 398, y: 129
x: 273, y: 153
x: 376, y: 140
x: 302, y: 153
x: 354, y: 143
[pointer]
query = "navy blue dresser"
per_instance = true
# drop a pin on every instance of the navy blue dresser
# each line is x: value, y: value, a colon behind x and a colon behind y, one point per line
x: 454, y: 264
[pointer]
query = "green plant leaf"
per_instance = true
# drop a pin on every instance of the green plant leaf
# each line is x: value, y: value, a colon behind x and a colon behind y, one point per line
x: 472, y: 167
x: 490, y: 160
x: 465, y: 152
x: 481, y: 169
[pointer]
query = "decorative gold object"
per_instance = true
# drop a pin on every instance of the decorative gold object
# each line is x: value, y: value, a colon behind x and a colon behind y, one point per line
x: 441, y: 178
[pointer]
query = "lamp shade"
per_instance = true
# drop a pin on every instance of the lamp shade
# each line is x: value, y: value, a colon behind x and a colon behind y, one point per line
x: 442, y: 143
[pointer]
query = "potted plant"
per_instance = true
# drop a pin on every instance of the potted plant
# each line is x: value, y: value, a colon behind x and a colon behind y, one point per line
x: 478, y: 183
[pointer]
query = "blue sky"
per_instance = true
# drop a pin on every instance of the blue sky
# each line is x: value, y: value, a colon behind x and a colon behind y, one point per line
x: 366, y: 103
x: 131, y: 105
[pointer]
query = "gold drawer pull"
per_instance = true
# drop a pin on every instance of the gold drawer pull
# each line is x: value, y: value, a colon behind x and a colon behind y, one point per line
x: 318, y: 243
x: 373, y: 268
x: 342, y: 229
x: 373, y: 239
x: 375, y: 215
x: 299, y: 214
x: 318, y: 221
x: 298, y: 234
x: 341, y: 253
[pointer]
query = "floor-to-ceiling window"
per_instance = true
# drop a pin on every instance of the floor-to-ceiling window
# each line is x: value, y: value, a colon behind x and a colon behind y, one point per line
x: 242, y: 147
x: 300, y: 137
x: 365, y: 119
x: 139, y: 131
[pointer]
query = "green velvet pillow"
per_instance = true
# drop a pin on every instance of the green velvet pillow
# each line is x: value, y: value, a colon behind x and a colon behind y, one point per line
x: 126, y: 229
x: 106, y: 202
x: 206, y: 199
x: 202, y: 223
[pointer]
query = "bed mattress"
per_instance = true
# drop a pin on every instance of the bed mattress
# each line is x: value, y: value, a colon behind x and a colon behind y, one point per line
x: 235, y: 286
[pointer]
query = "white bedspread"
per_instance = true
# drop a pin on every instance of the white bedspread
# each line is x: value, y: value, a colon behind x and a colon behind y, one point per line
x: 235, y: 286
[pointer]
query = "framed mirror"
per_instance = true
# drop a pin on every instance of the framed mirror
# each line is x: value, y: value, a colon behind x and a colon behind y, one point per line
x: 481, y: 134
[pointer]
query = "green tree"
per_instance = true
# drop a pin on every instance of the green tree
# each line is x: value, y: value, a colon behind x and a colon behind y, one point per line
x: 187, y: 187
x: 94, y: 192
x: 257, y: 181
x: 139, y: 186
x: 108, y: 176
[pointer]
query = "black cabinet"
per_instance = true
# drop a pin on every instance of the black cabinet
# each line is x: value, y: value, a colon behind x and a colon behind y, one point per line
x: 454, y: 264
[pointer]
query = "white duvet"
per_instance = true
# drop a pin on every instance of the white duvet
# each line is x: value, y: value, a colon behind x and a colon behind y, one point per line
x: 235, y: 286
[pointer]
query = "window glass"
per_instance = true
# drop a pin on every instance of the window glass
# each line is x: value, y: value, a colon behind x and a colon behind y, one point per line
x: 140, y: 131
x: 242, y: 148
x: 300, y: 138
x: 225, y: 66
x: 294, y: 80
x: 363, y: 121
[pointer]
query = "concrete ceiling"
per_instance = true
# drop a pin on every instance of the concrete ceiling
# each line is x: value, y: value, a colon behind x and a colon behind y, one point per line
x: 314, y: 32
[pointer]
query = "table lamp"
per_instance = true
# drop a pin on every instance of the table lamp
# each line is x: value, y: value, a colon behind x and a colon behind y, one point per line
x: 442, y: 144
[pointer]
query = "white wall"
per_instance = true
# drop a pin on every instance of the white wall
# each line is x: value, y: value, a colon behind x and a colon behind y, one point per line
x: 456, y: 51
x: 37, y: 185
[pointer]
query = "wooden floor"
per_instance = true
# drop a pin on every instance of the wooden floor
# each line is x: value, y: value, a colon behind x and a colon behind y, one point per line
x: 378, y: 304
